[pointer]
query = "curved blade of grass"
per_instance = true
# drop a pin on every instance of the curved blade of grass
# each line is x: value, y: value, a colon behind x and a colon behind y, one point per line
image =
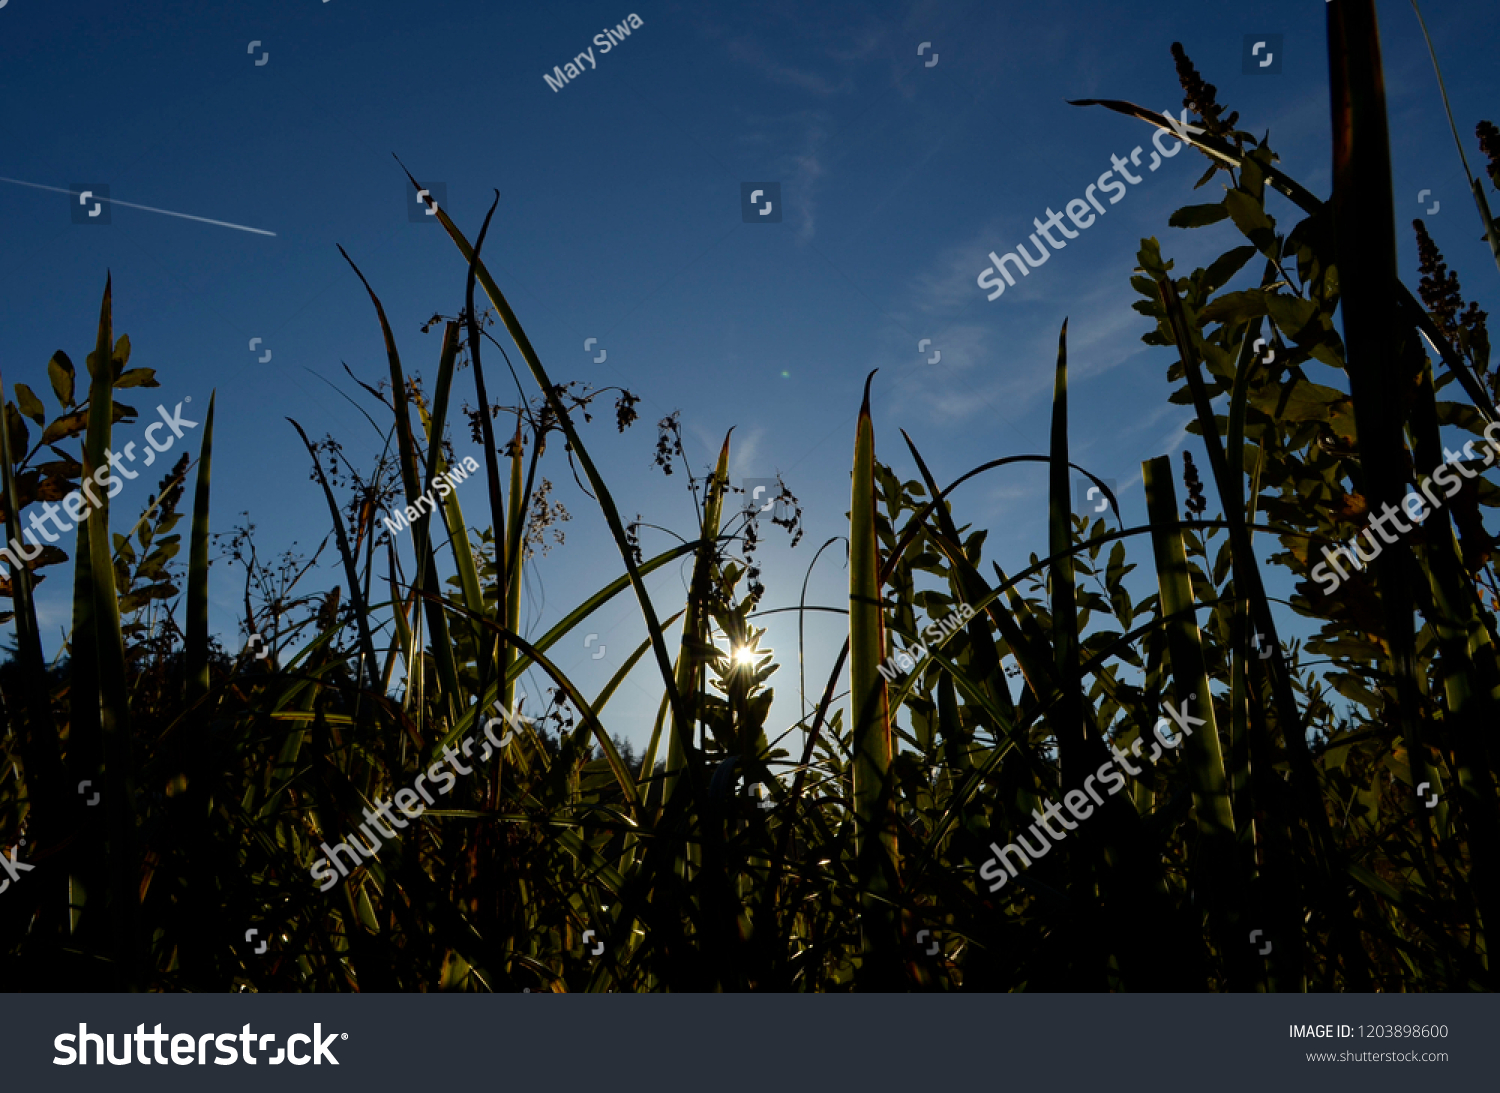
x: 197, y: 590
x: 505, y: 525
x: 569, y: 622
x: 628, y: 850
x: 356, y: 600
x: 985, y: 663
x: 406, y: 450
x: 918, y: 521
x: 586, y: 712
x: 601, y: 492
x: 1488, y: 221
x: 630, y: 662
x: 515, y: 561
x: 398, y: 608
x: 458, y: 537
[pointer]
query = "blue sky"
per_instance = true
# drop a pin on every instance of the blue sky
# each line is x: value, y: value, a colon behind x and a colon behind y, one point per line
x: 620, y: 220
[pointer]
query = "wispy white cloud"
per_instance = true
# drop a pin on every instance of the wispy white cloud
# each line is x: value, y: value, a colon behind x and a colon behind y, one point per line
x: 1000, y: 362
x: 806, y: 174
x: 748, y: 51
x: 745, y: 460
x: 801, y: 172
x: 860, y: 44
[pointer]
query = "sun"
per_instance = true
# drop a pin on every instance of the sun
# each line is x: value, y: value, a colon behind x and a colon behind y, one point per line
x: 744, y: 655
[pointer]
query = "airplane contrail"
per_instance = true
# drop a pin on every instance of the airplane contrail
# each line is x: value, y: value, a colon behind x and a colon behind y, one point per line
x: 146, y: 208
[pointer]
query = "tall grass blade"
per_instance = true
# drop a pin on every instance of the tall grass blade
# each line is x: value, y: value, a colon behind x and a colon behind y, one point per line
x: 1220, y: 863
x: 406, y: 450
x: 1365, y: 242
x: 114, y: 703
x: 351, y: 573
x: 196, y: 646
x: 505, y: 528
x: 691, y: 656
x: 1491, y: 234
x: 1072, y: 734
x: 870, y: 717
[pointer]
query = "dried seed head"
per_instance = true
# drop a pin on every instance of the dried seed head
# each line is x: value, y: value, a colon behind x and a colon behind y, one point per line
x: 1439, y: 288
x: 170, y: 487
x: 1443, y: 296
x: 668, y: 441
x: 1196, y: 503
x: 625, y: 413
x: 1201, y: 97
x: 1489, y: 144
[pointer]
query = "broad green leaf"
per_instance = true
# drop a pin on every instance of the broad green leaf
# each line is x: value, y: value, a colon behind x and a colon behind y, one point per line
x: 30, y: 405
x: 66, y: 426
x: 1222, y: 269
x: 1234, y: 308
x: 60, y: 372
x: 137, y: 377
x: 1198, y: 216
x: 1297, y: 318
x: 1250, y: 217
